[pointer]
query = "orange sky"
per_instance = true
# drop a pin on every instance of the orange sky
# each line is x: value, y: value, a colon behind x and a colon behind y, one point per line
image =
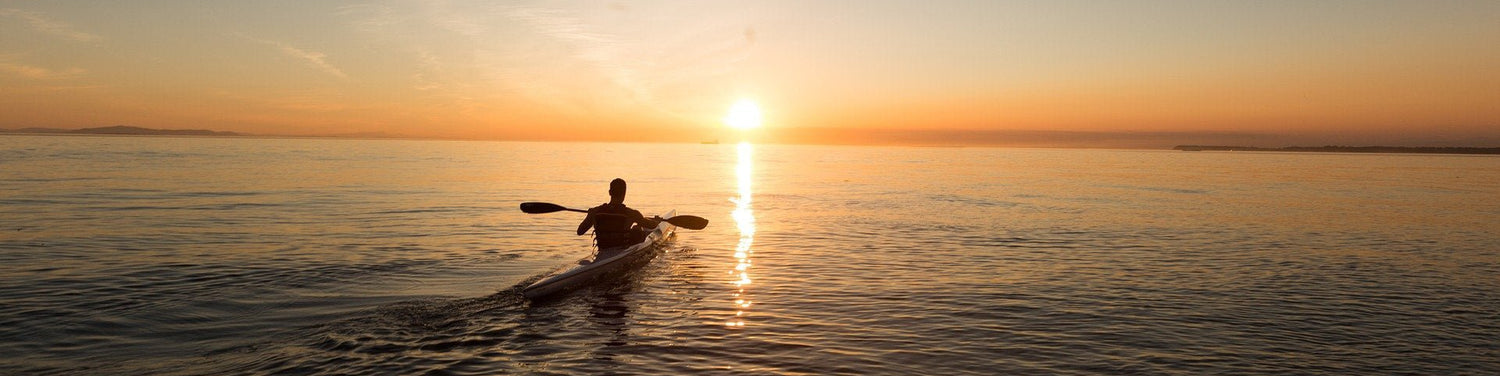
x: 1086, y: 72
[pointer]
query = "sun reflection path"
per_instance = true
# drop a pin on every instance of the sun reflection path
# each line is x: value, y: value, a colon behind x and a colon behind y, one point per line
x: 744, y: 218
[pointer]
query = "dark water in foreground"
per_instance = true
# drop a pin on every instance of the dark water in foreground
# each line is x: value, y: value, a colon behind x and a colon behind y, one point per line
x: 127, y: 255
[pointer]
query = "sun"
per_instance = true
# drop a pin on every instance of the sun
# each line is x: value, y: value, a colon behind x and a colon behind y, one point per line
x: 744, y: 114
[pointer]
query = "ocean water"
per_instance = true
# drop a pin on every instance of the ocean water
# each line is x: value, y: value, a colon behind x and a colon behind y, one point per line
x: 158, y: 255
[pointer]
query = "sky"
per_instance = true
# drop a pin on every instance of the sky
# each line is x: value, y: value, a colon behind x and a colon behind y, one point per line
x: 1042, y: 73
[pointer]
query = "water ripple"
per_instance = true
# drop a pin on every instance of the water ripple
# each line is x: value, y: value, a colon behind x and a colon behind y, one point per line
x: 143, y: 256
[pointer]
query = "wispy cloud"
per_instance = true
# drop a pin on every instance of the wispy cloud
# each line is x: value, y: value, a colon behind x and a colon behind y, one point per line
x: 573, y: 59
x: 603, y: 51
x: 427, y: 63
x: 315, y: 59
x: 39, y: 73
x: 46, y: 25
x: 669, y: 73
x: 442, y: 73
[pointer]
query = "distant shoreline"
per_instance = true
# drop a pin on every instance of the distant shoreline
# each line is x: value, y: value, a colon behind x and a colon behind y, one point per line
x: 126, y: 130
x: 1347, y: 149
x: 123, y: 130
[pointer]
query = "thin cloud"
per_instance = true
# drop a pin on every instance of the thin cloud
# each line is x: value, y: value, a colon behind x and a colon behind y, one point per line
x: 601, y: 50
x: 428, y: 63
x: 369, y: 17
x: 314, y: 58
x: 39, y: 73
x: 438, y: 72
x: 46, y: 25
x: 657, y: 71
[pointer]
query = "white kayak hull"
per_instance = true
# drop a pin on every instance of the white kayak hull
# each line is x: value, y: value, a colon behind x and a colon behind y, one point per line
x: 608, y: 262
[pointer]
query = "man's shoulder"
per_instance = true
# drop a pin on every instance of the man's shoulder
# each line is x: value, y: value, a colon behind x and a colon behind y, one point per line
x: 617, y: 209
x: 626, y: 210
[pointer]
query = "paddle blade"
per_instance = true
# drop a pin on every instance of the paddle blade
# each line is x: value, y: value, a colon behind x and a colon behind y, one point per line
x: 688, y: 222
x: 541, y: 207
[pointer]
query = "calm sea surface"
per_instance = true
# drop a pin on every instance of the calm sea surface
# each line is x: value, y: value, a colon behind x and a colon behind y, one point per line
x: 156, y: 255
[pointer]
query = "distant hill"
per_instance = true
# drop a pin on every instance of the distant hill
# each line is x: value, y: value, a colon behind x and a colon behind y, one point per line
x: 124, y: 130
x: 1347, y: 149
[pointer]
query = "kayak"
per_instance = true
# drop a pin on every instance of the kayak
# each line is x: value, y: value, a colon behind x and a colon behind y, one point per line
x: 607, y: 262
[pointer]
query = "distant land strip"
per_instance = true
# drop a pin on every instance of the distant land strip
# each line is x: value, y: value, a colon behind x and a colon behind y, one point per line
x: 1347, y: 149
x: 125, y: 130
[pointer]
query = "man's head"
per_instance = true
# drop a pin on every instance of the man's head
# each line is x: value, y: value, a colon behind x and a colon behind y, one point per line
x: 617, y: 189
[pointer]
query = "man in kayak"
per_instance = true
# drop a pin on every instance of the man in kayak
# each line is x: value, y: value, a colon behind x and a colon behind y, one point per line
x: 614, y: 223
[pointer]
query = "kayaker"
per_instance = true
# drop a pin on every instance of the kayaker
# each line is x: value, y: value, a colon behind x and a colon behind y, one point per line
x: 614, y: 223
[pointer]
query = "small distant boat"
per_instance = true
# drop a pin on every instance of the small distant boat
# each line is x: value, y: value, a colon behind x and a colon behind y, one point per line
x: 712, y: 142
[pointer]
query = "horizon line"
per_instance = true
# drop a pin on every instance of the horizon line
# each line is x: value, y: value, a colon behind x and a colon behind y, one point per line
x: 833, y: 136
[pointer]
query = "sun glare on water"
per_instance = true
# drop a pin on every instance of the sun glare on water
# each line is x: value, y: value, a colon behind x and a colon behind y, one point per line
x: 743, y: 115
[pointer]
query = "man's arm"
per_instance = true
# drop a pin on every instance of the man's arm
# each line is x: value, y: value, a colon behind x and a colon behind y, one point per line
x: 643, y: 221
x: 588, y: 221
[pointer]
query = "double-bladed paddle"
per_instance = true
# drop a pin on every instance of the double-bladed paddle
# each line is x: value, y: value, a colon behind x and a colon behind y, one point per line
x: 690, y: 222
